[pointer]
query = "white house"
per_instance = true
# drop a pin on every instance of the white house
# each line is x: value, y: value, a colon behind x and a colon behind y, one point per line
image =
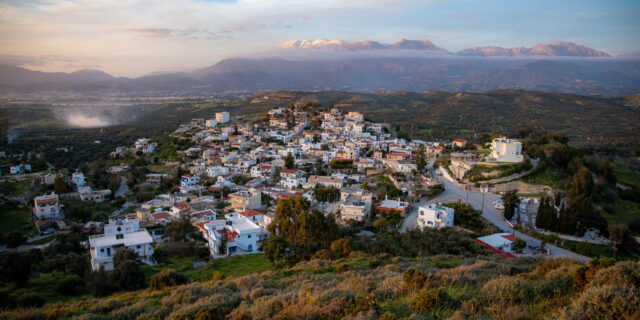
x: 148, y: 149
x: 500, y: 243
x: 325, y: 181
x: 215, y: 171
x: 355, y: 204
x: 19, y: 169
x: 120, y: 235
x: 141, y: 142
x: 222, y: 117
x: 47, y: 207
x: 506, y: 150
x: 291, y: 178
x: 212, y: 123
x: 262, y: 171
x: 240, y: 233
x: 78, y: 179
x: 188, y: 180
x: 434, y: 215
x: 246, y: 200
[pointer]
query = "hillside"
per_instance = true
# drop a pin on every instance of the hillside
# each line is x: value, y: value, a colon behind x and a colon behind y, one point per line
x: 382, y: 287
x: 442, y: 115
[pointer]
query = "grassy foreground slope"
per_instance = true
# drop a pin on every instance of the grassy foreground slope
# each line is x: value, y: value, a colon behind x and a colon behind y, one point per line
x: 384, y: 287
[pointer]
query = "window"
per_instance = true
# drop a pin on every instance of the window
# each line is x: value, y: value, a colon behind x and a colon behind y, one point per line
x: 249, y: 236
x: 101, y: 249
x: 138, y: 247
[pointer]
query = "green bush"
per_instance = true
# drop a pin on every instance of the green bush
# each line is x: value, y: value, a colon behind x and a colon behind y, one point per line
x: 622, y: 274
x: 605, y: 303
x: 431, y: 300
x: 71, y: 285
x: 414, y: 279
x: 167, y: 278
x: 28, y: 300
x: 507, y: 291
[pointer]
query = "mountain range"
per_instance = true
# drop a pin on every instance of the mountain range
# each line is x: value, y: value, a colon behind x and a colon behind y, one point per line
x: 362, y: 66
x: 549, y: 49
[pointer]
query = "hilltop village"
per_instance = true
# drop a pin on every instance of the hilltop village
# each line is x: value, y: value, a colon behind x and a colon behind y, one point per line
x: 232, y: 174
x: 301, y: 188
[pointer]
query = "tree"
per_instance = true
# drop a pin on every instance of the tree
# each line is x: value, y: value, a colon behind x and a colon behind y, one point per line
x: 621, y: 237
x: 276, y: 176
x: 511, y: 202
x: 60, y: 186
x: 124, y: 255
x: 289, y: 162
x: 99, y: 283
x: 15, y: 267
x: 16, y: 239
x: 129, y: 276
x: 167, y: 278
x: 181, y: 230
x: 421, y: 159
x: 297, y: 232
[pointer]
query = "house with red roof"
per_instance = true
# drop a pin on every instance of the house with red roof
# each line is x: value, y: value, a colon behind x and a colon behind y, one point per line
x: 47, y: 207
x: 500, y: 243
x: 234, y: 235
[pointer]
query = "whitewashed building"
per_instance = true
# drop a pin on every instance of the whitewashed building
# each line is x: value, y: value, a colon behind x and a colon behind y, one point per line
x: 506, y: 150
x: 47, y: 207
x: 120, y: 235
x: 240, y: 233
x: 435, y: 215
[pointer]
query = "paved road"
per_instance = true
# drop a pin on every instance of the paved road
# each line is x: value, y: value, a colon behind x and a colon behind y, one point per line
x: 494, y: 216
x: 124, y: 207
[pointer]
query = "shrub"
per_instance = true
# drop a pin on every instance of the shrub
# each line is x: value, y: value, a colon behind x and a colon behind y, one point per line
x: 387, y: 316
x: 341, y: 248
x: 478, y: 272
x: 374, y: 263
x: 605, y: 303
x: 621, y: 274
x: 343, y: 267
x: 217, y: 276
x: 22, y: 314
x: 431, y: 300
x: 31, y: 300
x: 71, y: 285
x: 559, y: 281
x: 507, y: 290
x: 246, y: 282
x: 129, y: 276
x: 414, y: 279
x: 265, y: 307
x: 167, y: 278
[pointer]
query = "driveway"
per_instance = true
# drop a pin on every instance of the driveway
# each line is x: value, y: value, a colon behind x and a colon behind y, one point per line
x: 491, y: 214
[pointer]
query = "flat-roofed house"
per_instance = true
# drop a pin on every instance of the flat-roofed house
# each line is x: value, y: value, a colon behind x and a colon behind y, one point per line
x: 120, y: 235
x: 506, y: 150
x: 47, y: 207
x: 239, y: 233
x: 245, y: 200
x: 435, y: 215
x: 355, y: 204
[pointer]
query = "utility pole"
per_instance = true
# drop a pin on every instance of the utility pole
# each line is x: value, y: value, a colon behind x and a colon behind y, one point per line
x: 482, y: 211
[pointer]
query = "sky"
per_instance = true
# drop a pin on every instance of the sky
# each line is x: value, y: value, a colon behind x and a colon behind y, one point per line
x: 133, y: 38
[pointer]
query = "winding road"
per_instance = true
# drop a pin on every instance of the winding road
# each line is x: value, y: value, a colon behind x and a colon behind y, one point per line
x: 494, y: 216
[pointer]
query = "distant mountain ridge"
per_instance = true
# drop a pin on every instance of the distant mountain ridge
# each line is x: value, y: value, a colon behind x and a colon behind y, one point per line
x: 549, y: 49
x: 341, y: 45
x: 364, y: 66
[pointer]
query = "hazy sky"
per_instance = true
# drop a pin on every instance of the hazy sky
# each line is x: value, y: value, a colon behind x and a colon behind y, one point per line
x: 132, y: 38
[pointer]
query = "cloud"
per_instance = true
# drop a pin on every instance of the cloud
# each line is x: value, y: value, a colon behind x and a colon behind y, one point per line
x: 151, y: 32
